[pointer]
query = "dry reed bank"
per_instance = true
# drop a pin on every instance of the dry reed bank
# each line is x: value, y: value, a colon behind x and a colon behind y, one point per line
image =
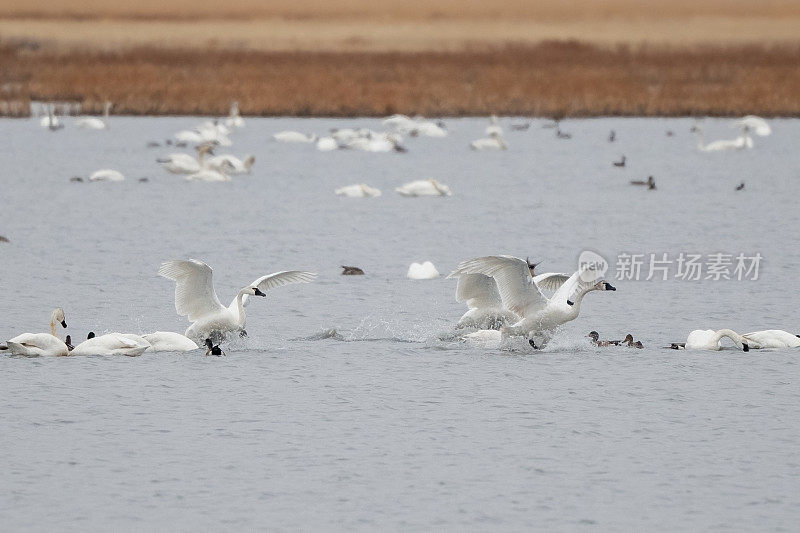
x: 549, y: 79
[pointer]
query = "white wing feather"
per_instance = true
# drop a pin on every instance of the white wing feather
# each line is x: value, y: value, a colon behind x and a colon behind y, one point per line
x: 194, y: 288
x: 514, y: 282
x: 278, y: 279
x: 550, y: 281
x: 478, y: 291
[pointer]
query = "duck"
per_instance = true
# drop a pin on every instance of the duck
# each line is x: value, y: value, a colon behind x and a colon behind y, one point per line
x: 3, y: 238
x: 650, y: 182
x: 359, y: 190
x: 630, y: 343
x: 740, y: 186
x: 424, y: 270
x: 521, y: 295
x: 107, y: 174
x: 524, y: 126
x: 495, y: 141
x: 595, y: 339
x: 196, y: 299
x: 180, y: 163
x: 351, y: 271
x: 94, y: 123
x: 41, y: 344
x: 429, y: 187
x: 212, y: 349
x: 612, y: 136
x: 294, y: 137
x: 620, y: 163
x: 772, y: 338
x: 110, y: 344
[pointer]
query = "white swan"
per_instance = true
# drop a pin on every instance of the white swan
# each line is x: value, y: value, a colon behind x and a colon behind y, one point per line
x: 399, y: 123
x: 111, y: 344
x: 495, y: 141
x: 361, y: 190
x: 739, y: 143
x: 378, y: 143
x: 708, y: 339
x: 327, y: 144
x: 107, y: 174
x: 234, y: 119
x: 36, y: 344
x: 755, y: 124
x: 772, y: 338
x: 429, y: 187
x: 206, y: 174
x: 425, y: 270
x: 294, y: 137
x: 237, y: 166
x: 428, y: 129
x: 196, y: 299
x: 521, y: 295
x: 204, y: 133
x: 494, y: 127
x: 51, y: 121
x: 168, y: 341
x: 94, y: 123
x: 180, y: 163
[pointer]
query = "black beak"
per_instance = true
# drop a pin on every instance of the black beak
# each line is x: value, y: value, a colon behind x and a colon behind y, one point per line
x: 746, y: 347
x: 258, y: 292
x: 610, y: 287
x: 64, y: 323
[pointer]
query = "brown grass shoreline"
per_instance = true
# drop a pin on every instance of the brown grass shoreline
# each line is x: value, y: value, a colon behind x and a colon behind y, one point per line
x: 562, y: 79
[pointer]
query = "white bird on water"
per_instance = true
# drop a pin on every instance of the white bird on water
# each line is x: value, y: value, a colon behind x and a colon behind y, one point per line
x: 234, y: 119
x: 495, y: 141
x: 708, y: 339
x: 195, y: 297
x: 424, y: 270
x: 181, y: 163
x: 41, y: 344
x: 360, y: 190
x: 94, y: 123
x: 772, y: 338
x: 429, y: 187
x: 235, y: 165
x: 111, y: 344
x: 107, y: 174
x: 294, y: 137
x: 207, y: 174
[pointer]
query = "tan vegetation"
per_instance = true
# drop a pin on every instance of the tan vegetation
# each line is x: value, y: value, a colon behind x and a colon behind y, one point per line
x: 549, y: 79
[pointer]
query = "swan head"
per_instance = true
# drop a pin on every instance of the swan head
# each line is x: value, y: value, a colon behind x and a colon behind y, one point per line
x: 594, y: 336
x: 532, y: 266
x: 605, y: 286
x: 58, y: 317
x: 90, y: 335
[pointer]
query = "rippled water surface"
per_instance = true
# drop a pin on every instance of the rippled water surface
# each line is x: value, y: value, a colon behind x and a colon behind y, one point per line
x: 344, y: 409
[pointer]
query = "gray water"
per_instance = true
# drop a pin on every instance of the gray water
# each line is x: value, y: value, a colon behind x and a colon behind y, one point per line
x: 343, y: 409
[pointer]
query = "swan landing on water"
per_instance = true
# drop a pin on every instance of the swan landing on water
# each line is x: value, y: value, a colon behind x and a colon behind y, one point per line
x: 195, y: 297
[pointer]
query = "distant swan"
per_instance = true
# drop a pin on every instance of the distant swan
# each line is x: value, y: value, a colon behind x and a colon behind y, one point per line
x: 94, y: 123
x: 234, y: 119
x: 196, y: 299
x: 425, y: 270
x: 429, y: 187
x: 494, y: 127
x: 206, y: 174
x: 739, y: 143
x: 180, y: 163
x: 495, y: 141
x: 327, y: 144
x: 358, y: 191
x: 237, y: 166
x: 51, y: 121
x: 294, y: 137
x: 107, y: 174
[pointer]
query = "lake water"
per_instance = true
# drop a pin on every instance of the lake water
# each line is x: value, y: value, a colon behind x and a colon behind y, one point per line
x: 344, y: 410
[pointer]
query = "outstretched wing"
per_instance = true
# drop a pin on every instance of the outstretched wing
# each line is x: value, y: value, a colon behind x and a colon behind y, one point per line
x: 478, y: 291
x: 278, y: 279
x: 194, y: 288
x: 514, y: 282
x: 550, y: 281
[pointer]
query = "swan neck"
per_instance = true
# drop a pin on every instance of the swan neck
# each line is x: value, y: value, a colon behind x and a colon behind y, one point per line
x: 240, y: 308
x: 732, y: 335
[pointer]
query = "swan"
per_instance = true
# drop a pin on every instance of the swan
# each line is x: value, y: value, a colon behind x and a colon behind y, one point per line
x: 399, y: 123
x: 167, y: 341
x: 111, y: 344
x: 358, y: 191
x: 495, y: 141
x: 755, y: 124
x: 521, y: 295
x: 739, y: 143
x: 196, y: 299
x: 204, y: 133
x: 344, y: 135
x: 206, y: 174
x: 180, y: 163
x: 428, y: 129
x: 494, y: 127
x: 379, y: 143
x: 107, y: 174
x: 35, y: 344
x: 772, y: 338
x: 425, y: 270
x: 234, y: 119
x: 429, y: 187
x: 708, y: 339
x: 294, y: 137
x: 51, y: 121
x: 327, y: 144
x: 94, y: 123
x: 237, y: 166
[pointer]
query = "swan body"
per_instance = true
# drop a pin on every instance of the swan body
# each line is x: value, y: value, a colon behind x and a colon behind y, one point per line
x: 181, y: 163
x: 294, y: 137
x: 327, y: 144
x: 107, y: 174
x: 739, y: 143
x: 429, y: 129
x: 207, y: 174
x: 399, y: 123
x: 195, y: 297
x: 495, y: 141
x: 772, y: 338
x: 521, y: 295
x: 425, y: 270
x: 167, y: 341
x: 237, y: 166
x: 429, y: 187
x: 37, y: 344
x: 94, y: 123
x: 207, y: 132
x: 379, y: 143
x: 111, y: 344
x: 708, y: 339
x: 358, y: 191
